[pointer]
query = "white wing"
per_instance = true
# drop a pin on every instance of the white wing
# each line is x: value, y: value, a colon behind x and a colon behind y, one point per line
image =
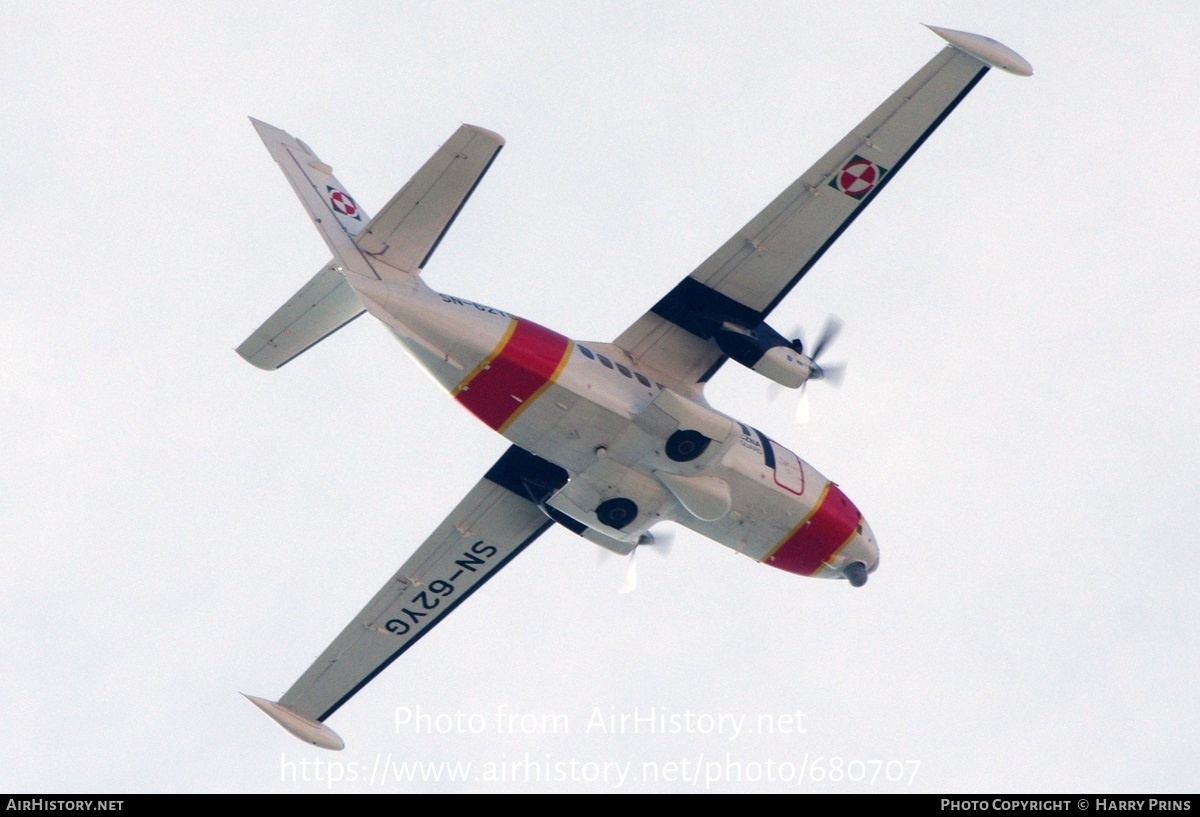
x: 755, y: 269
x: 496, y: 520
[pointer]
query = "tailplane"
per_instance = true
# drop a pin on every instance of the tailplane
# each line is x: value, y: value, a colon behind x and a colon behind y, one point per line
x: 322, y: 306
x: 392, y: 247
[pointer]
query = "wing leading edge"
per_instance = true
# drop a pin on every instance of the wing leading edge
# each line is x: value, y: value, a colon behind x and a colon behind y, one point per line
x: 754, y: 270
x: 494, y: 522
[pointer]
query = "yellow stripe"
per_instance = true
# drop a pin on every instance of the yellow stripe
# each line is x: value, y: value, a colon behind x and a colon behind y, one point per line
x: 466, y: 381
x: 562, y: 364
x: 803, y: 522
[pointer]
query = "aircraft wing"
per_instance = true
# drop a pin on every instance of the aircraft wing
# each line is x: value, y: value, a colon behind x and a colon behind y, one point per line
x: 496, y: 520
x: 754, y: 270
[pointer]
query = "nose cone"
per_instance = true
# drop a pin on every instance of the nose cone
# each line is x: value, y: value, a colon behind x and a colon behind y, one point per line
x: 829, y: 541
x: 859, y: 557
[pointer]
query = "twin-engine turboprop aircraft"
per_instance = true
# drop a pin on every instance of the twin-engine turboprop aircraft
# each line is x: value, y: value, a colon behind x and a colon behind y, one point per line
x: 608, y: 439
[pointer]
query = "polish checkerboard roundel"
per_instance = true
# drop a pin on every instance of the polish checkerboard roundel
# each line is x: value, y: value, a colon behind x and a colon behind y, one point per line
x: 858, y: 177
x: 342, y: 203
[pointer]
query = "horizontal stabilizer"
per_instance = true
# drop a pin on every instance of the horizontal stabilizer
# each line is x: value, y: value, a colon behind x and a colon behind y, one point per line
x: 407, y: 231
x: 321, y: 307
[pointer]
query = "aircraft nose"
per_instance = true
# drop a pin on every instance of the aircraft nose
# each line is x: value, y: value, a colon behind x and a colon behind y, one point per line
x: 860, y: 557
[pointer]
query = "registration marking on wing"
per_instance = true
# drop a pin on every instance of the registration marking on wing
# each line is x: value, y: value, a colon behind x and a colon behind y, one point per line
x: 402, y: 623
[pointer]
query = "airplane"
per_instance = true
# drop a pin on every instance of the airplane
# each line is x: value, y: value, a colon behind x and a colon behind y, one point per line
x: 607, y: 439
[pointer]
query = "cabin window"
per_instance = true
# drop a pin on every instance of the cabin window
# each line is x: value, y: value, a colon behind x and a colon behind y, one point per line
x: 642, y: 379
x: 624, y: 371
x: 587, y: 352
x: 605, y: 361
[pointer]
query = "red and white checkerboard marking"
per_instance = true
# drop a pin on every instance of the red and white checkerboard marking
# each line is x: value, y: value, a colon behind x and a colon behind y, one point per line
x: 857, y: 177
x: 343, y: 203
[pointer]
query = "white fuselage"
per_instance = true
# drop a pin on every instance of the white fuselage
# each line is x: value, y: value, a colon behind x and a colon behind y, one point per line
x: 636, y: 451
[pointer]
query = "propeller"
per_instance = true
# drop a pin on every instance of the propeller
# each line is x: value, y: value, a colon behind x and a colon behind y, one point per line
x: 835, y: 372
x: 660, y: 542
x: 832, y: 373
x: 833, y: 328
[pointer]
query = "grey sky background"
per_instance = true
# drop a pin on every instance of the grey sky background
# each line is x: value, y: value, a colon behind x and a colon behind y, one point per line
x: 1017, y: 421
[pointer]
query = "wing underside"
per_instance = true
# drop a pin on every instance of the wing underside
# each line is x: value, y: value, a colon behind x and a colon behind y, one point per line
x: 497, y: 519
x: 755, y: 269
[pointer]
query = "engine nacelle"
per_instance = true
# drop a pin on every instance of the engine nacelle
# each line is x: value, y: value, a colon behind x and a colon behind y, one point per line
x: 621, y: 547
x: 767, y: 352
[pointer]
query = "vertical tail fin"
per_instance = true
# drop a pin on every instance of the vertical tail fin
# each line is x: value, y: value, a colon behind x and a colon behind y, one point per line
x: 337, y: 215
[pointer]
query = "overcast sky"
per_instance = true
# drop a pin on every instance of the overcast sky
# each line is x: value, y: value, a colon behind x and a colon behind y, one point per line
x: 1017, y: 422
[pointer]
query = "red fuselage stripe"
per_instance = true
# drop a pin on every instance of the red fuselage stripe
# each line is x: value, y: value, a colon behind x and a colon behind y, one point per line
x: 816, y: 540
x: 518, y: 371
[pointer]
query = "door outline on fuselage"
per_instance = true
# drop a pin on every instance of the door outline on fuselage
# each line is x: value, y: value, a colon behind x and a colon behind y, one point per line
x: 788, y: 469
